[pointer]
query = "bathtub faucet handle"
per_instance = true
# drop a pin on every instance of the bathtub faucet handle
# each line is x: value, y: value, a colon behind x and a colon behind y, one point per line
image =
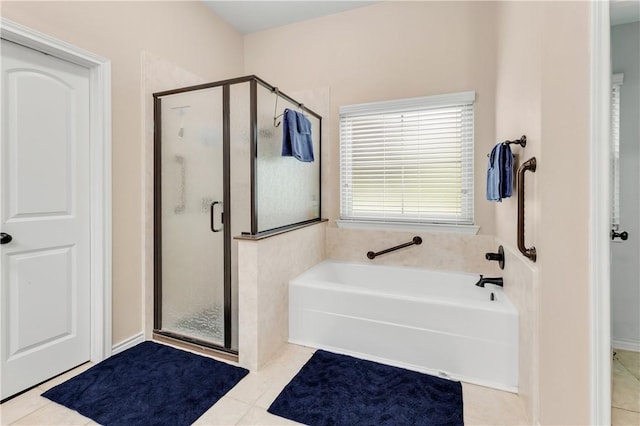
x: 499, y: 256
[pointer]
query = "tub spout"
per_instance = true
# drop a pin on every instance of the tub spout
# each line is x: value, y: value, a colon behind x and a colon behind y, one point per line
x: 482, y: 281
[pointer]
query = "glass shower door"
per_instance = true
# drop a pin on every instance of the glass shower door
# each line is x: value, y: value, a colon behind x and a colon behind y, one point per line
x: 191, y: 204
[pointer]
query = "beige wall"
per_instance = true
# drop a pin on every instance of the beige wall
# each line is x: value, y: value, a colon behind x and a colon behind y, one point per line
x: 120, y: 31
x: 542, y: 90
x: 527, y: 62
x: 518, y: 112
x: 518, y: 107
x: 390, y: 50
x: 563, y: 230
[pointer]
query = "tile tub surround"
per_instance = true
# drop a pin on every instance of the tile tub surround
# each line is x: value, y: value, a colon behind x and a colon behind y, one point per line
x: 264, y: 269
x: 439, y: 251
x: 247, y: 402
x: 521, y: 286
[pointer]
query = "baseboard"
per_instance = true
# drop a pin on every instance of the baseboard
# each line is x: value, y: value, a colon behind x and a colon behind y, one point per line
x: 127, y: 343
x: 626, y: 344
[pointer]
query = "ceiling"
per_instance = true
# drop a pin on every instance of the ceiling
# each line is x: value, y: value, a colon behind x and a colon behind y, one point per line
x: 252, y: 16
x: 624, y: 11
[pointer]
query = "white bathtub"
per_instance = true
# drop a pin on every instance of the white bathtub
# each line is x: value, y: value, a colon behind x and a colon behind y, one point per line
x: 435, y: 322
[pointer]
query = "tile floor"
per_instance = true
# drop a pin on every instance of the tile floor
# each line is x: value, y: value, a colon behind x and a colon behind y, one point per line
x: 625, y: 395
x: 247, y: 403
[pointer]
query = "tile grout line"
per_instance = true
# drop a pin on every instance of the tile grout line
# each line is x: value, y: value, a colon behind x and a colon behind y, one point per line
x: 627, y: 410
x: 630, y: 373
x: 251, y: 404
x: 617, y: 357
x: 628, y: 370
x: 31, y: 412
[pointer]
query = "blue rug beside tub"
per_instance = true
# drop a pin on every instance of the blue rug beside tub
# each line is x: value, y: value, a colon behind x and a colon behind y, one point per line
x: 333, y: 389
x: 149, y: 384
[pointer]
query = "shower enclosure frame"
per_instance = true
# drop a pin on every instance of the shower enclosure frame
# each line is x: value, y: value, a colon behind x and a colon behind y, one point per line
x: 227, y: 215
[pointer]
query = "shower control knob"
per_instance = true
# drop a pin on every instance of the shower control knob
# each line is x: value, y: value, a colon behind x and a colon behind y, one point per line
x: 622, y: 235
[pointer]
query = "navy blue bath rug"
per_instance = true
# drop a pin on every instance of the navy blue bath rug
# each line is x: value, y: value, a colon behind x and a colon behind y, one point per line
x: 149, y: 384
x: 339, y: 390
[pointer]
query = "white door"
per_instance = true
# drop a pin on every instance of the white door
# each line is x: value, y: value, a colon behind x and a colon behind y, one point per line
x: 625, y: 247
x: 45, y: 209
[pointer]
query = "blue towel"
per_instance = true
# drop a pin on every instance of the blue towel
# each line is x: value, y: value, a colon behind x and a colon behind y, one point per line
x: 296, y: 136
x: 506, y: 167
x: 500, y: 173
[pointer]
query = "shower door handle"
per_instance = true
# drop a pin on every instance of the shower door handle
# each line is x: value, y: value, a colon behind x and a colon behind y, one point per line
x: 213, y: 206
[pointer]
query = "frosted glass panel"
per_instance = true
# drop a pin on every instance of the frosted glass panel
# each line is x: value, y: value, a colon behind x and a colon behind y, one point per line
x: 288, y: 190
x: 191, y: 181
x: 240, y: 178
x: 197, y: 131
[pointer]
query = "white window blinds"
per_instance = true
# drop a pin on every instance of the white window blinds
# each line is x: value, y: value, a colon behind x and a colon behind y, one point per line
x: 615, y: 150
x: 409, y: 160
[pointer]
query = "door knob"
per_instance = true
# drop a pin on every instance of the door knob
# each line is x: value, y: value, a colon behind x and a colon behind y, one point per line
x: 5, y: 238
x: 622, y: 235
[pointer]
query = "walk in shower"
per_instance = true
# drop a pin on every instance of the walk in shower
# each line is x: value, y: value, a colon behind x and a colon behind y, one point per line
x: 220, y: 173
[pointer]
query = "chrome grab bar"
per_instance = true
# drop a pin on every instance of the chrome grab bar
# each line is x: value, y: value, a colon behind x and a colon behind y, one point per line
x: 530, y: 165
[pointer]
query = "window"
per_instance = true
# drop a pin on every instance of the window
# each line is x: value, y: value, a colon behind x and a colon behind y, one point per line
x: 408, y: 161
x: 615, y: 150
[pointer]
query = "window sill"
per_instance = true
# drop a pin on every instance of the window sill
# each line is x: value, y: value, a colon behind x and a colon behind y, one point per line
x: 396, y: 226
